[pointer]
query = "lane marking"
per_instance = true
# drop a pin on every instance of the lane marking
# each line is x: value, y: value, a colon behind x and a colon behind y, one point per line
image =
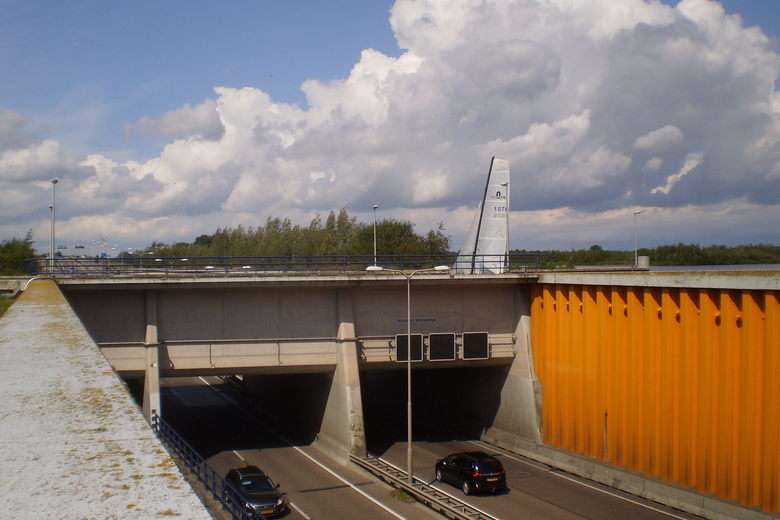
x: 237, y: 454
x: 299, y: 450
x: 300, y: 511
x: 345, y: 481
x: 551, y: 471
x: 489, y: 515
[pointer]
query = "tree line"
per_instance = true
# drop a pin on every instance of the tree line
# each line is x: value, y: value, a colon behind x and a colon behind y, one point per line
x: 15, y: 253
x: 339, y: 234
x: 675, y: 254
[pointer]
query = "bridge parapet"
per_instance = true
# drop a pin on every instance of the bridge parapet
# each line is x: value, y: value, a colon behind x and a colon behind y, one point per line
x: 70, y: 429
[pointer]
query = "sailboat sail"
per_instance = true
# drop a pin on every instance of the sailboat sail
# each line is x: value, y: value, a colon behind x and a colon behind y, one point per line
x: 486, y: 246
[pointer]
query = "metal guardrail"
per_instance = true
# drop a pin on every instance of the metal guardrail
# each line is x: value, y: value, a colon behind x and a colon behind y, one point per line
x: 205, y: 265
x: 225, y: 493
x: 436, y: 499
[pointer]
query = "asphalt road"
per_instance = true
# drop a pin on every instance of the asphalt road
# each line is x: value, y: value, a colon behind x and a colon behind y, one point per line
x: 215, y: 422
x: 220, y: 425
x: 535, y: 492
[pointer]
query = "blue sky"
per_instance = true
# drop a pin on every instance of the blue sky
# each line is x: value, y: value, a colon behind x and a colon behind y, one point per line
x: 106, y: 64
x: 119, y: 100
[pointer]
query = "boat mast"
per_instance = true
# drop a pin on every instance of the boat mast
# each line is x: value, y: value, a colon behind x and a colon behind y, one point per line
x: 481, y: 212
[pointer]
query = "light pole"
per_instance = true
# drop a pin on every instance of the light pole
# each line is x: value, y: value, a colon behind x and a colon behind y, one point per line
x: 375, y: 208
x: 636, y: 239
x: 53, y: 213
x: 374, y: 268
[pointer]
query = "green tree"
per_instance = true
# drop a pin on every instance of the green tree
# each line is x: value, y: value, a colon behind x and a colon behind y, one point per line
x: 339, y: 235
x: 15, y: 253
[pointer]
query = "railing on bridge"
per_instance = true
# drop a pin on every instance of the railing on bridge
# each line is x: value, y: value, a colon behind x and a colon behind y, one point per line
x: 233, y: 265
x: 437, y: 499
x: 225, y: 493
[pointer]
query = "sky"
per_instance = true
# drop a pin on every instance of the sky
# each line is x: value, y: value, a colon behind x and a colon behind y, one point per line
x: 166, y: 120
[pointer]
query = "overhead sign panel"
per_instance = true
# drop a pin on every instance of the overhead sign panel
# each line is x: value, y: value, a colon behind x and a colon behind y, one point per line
x: 441, y: 347
x: 402, y: 348
x: 475, y: 345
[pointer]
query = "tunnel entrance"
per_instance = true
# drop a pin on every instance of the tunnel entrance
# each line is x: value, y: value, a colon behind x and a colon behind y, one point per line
x: 448, y: 404
x: 294, y: 404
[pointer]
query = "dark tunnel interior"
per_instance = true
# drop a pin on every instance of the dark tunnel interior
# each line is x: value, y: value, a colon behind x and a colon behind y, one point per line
x: 447, y: 404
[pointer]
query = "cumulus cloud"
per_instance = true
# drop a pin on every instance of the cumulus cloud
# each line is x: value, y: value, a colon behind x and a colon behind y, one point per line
x: 188, y: 121
x: 658, y: 139
x: 36, y: 162
x: 594, y: 104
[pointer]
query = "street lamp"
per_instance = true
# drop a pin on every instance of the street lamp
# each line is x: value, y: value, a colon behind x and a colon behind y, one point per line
x: 52, y: 211
x: 376, y: 268
x: 636, y: 239
x: 375, y: 208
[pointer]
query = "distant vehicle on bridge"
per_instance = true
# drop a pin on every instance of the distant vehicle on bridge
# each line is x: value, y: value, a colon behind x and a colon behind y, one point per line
x: 473, y: 471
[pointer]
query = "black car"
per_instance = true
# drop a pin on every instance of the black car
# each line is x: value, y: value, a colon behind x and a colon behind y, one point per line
x: 255, y: 492
x: 473, y: 471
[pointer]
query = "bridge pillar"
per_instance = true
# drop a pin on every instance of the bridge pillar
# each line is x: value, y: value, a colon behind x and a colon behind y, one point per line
x: 152, y: 371
x: 517, y: 423
x: 342, y: 432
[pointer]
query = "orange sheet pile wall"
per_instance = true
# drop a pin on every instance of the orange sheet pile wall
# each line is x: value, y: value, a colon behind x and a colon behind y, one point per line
x: 678, y: 384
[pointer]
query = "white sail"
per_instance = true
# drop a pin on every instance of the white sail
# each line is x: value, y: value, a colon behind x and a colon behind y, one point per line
x: 486, y: 246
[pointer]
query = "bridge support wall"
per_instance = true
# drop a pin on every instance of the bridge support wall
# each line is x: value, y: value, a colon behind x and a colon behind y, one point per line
x: 342, y: 431
x: 151, y: 404
x: 516, y: 421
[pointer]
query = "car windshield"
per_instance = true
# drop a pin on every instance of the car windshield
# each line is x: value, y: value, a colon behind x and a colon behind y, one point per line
x: 489, y: 466
x: 256, y: 484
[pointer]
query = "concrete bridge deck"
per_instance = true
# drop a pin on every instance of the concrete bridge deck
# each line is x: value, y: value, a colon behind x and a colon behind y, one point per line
x: 73, y: 444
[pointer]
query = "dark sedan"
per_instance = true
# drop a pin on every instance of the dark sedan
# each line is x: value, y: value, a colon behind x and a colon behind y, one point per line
x: 472, y: 471
x: 255, y: 492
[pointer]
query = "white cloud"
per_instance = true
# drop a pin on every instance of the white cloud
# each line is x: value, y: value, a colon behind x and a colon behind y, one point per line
x: 691, y: 163
x: 188, y: 121
x: 39, y: 161
x: 589, y: 102
x: 661, y: 138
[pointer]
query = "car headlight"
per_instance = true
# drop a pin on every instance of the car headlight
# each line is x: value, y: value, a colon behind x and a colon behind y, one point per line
x: 279, y: 501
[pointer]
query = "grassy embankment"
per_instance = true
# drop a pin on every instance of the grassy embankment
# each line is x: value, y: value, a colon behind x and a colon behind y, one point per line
x: 4, y: 304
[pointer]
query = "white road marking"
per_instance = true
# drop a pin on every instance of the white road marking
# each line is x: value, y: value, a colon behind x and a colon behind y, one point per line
x: 576, y: 481
x: 299, y: 450
x: 237, y: 454
x: 300, y: 511
x: 438, y: 488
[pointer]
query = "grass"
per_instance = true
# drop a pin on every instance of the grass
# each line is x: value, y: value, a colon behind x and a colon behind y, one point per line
x: 4, y: 304
x: 403, y: 496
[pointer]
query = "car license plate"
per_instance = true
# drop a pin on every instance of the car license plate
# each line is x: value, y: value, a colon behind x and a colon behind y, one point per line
x: 492, y: 479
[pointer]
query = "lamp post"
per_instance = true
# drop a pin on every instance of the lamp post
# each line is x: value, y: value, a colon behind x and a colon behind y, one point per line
x: 438, y: 268
x: 636, y: 239
x: 375, y: 208
x: 53, y: 214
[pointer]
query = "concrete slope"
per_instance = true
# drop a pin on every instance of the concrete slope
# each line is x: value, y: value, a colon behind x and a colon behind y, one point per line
x: 73, y: 444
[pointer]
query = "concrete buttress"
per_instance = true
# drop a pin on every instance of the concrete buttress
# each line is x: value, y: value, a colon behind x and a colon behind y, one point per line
x: 342, y: 431
x: 516, y: 422
x: 152, y: 370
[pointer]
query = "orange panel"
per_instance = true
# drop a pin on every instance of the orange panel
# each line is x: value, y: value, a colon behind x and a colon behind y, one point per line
x: 679, y: 384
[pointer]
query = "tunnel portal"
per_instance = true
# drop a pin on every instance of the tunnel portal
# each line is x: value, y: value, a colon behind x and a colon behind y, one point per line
x: 451, y: 404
